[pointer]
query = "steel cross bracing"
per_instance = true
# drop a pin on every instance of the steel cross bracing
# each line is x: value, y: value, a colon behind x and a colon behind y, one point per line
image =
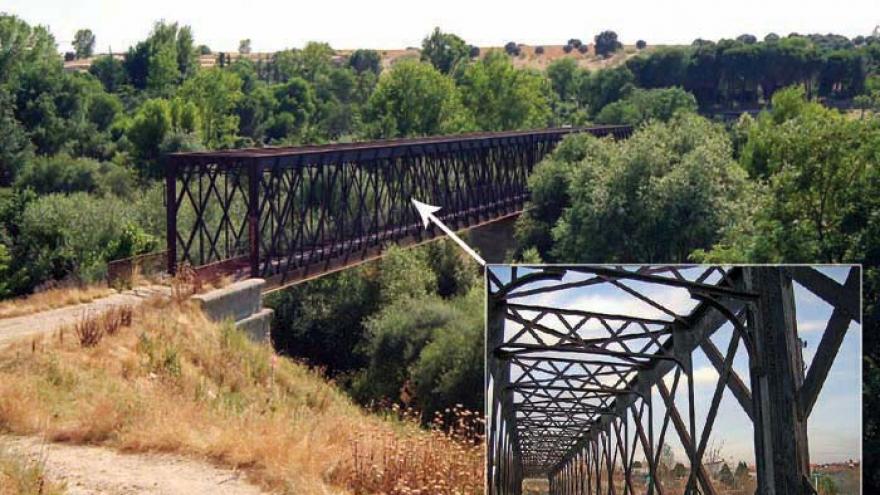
x: 287, y: 214
x: 581, y: 397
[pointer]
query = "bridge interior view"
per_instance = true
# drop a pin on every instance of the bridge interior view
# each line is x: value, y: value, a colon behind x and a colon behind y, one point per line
x: 290, y: 214
x: 591, y: 373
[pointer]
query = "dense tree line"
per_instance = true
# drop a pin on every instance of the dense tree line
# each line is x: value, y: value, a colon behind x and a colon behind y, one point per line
x: 744, y: 72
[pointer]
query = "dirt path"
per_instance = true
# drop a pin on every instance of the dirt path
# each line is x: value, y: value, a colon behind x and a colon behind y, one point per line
x: 95, y: 470
x: 27, y: 326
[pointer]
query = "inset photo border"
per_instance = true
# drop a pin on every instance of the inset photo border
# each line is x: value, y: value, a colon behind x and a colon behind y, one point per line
x: 673, y: 378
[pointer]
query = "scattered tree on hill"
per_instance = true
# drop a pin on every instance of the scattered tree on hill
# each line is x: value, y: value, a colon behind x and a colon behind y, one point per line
x: 771, y: 38
x: 244, y: 46
x: 575, y: 43
x: 641, y: 44
x: 539, y: 50
x: 567, y: 48
x: 748, y: 39
x: 362, y: 60
x: 83, y: 43
x: 606, y: 43
x: 444, y: 50
x: 583, y: 49
x: 512, y: 49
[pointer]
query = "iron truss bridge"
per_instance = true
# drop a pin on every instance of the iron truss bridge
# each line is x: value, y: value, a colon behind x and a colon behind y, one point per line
x: 591, y: 373
x: 289, y: 214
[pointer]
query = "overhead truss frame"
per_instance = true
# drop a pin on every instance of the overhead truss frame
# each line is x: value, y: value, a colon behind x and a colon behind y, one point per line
x: 576, y: 408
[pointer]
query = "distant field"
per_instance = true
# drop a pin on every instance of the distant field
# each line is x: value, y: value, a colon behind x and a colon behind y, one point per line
x: 527, y: 57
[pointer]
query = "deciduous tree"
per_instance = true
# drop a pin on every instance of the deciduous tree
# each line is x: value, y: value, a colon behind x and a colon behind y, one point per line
x: 445, y: 51
x: 415, y: 99
x: 83, y: 43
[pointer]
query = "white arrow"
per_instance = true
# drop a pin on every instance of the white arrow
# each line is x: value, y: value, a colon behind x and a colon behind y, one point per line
x: 427, y: 213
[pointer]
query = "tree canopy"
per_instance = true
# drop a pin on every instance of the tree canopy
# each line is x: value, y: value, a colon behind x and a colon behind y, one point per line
x: 445, y: 51
x: 415, y: 99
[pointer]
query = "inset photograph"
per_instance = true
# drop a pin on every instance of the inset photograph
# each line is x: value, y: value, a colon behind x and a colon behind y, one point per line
x: 673, y: 379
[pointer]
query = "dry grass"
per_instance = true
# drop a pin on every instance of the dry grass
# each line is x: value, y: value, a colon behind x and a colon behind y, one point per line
x: 93, y: 327
x: 20, y: 475
x: 51, y: 299
x: 175, y: 382
x: 445, y: 461
x: 185, y: 283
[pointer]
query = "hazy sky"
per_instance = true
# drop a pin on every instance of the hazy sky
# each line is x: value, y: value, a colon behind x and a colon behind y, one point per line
x: 274, y: 25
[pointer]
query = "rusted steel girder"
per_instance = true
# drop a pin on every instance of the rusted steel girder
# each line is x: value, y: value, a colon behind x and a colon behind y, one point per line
x: 290, y: 214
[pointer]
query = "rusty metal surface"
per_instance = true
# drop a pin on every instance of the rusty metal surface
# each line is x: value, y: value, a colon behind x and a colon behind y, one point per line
x: 294, y: 213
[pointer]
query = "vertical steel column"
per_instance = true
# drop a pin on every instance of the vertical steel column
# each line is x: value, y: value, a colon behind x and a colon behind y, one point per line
x: 777, y: 373
x: 495, y: 369
x: 254, y: 215
x: 171, y: 214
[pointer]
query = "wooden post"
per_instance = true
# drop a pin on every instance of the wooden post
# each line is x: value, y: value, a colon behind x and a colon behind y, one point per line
x: 777, y: 373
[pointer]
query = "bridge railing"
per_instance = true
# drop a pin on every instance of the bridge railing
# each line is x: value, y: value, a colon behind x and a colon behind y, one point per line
x: 288, y: 214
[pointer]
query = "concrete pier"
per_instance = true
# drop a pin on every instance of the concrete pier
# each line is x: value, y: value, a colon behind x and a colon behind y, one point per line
x: 241, y: 302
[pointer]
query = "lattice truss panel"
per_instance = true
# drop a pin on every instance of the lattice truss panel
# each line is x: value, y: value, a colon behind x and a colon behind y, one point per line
x: 590, y: 371
x: 290, y: 213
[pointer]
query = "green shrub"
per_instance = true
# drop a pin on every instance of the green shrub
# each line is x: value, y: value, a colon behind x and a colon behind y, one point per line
x: 62, y: 173
x: 75, y: 235
x: 438, y: 354
x: 642, y: 105
x: 666, y: 191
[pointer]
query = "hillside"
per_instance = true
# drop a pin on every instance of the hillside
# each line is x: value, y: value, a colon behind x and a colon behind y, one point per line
x: 173, y: 382
x: 527, y: 58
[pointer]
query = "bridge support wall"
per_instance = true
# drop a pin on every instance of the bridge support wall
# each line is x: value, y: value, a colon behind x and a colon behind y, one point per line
x: 494, y: 239
x: 241, y: 302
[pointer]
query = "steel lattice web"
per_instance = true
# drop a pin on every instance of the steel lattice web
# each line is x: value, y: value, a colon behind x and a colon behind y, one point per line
x: 289, y: 214
x: 577, y: 378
